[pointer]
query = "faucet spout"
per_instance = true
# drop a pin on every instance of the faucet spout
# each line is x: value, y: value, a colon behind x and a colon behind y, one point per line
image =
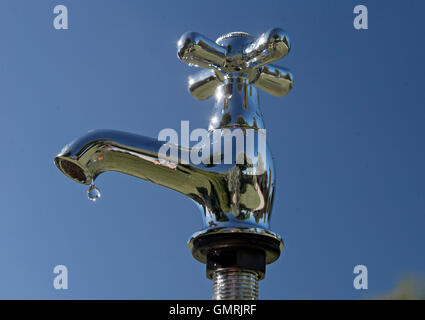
x: 229, y: 195
x: 108, y: 150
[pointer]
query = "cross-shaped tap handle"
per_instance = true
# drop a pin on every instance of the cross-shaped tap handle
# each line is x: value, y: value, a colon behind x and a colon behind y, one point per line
x: 236, y: 54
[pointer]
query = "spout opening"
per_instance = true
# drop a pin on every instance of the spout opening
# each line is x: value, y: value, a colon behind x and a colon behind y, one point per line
x: 71, y: 170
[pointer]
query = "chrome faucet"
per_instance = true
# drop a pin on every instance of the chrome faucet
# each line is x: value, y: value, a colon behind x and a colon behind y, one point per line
x: 235, y: 198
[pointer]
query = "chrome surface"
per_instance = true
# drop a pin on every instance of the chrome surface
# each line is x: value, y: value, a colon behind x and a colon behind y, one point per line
x: 229, y: 196
x: 237, y: 55
x: 233, y: 197
x: 235, y: 284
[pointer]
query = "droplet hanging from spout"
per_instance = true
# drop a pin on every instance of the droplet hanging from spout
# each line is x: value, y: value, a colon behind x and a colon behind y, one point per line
x: 93, y: 193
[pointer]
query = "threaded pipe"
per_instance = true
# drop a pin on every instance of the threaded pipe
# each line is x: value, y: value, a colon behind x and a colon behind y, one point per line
x: 235, y: 284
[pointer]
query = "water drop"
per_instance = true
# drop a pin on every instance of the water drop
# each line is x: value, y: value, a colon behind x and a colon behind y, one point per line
x: 93, y: 193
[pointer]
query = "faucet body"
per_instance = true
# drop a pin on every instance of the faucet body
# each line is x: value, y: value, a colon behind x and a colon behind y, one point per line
x: 236, y: 197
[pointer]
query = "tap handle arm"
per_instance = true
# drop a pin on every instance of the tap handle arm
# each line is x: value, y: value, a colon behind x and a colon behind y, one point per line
x: 271, y: 46
x: 202, y: 85
x: 275, y: 80
x: 195, y: 49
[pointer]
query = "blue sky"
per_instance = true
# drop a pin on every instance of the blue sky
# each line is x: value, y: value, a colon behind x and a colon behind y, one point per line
x: 348, y: 143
